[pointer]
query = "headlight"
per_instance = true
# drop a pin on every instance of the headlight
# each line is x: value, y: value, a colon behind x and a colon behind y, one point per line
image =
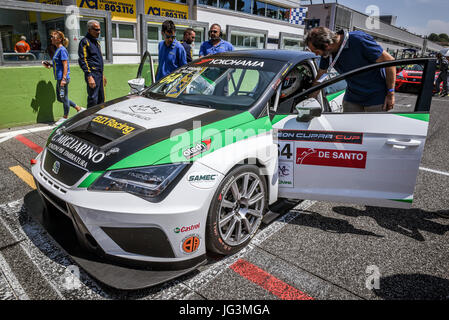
x: 400, y: 78
x: 144, y: 182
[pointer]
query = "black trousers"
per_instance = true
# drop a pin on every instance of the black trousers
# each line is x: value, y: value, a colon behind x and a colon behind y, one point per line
x: 96, y: 95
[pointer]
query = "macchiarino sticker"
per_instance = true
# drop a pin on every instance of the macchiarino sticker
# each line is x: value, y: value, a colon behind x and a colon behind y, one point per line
x: 331, y: 158
x: 75, y: 150
x: 321, y: 136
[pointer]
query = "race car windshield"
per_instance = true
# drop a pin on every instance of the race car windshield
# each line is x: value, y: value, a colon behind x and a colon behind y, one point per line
x: 216, y: 87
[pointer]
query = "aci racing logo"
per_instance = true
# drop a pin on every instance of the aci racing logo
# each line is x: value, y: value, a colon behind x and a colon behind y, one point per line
x: 91, y: 4
x: 197, y: 149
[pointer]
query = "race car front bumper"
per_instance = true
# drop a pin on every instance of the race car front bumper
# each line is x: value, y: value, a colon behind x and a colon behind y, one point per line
x: 122, y: 240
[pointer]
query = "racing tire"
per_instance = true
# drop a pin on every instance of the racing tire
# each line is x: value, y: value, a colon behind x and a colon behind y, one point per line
x: 236, y: 210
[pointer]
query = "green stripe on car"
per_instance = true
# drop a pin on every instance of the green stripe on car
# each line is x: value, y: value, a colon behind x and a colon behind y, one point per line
x: 335, y: 95
x: 418, y: 116
x: 90, y: 179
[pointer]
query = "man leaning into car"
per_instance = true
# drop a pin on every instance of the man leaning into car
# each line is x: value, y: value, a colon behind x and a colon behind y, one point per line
x: 372, y: 91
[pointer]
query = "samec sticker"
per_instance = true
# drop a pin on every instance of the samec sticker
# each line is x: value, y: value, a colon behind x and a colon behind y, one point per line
x: 331, y: 158
x: 190, y: 244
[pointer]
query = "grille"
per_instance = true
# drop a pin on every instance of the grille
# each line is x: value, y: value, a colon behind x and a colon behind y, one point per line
x: 57, y: 202
x: 53, y: 185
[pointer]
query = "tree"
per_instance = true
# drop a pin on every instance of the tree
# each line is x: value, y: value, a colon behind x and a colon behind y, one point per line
x: 434, y: 37
x: 443, y: 37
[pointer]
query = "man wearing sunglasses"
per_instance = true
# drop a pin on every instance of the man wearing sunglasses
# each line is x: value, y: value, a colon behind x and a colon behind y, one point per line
x: 171, y: 53
x: 90, y: 60
x: 215, y: 43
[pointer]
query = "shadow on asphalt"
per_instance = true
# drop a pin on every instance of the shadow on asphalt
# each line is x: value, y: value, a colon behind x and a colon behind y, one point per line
x: 408, y: 222
x: 315, y: 220
x: 413, y: 287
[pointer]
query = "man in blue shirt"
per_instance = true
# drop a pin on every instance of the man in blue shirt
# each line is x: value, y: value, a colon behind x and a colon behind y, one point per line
x: 371, y: 91
x: 215, y: 43
x: 171, y: 53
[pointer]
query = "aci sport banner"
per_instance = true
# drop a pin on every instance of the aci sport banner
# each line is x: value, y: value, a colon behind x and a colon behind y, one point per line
x: 166, y: 9
x: 122, y: 10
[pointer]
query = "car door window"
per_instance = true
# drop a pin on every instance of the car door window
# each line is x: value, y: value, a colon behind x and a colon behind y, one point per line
x: 416, y: 98
x: 297, y: 79
x: 146, y: 70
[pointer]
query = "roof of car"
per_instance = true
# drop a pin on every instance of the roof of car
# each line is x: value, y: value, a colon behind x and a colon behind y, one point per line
x: 280, y: 55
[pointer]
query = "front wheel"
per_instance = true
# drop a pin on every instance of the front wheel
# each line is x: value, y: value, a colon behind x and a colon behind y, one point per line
x: 237, y: 210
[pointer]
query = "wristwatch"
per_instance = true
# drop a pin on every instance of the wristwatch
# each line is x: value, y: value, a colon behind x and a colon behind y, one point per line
x: 391, y: 90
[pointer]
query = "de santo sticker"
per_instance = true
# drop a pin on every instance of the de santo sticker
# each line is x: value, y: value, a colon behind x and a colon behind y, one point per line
x: 331, y: 158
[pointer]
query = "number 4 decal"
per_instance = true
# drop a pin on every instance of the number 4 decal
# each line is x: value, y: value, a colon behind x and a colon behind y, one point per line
x: 285, y: 151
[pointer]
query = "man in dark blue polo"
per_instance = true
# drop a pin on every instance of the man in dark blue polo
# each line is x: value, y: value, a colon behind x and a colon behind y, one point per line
x: 90, y: 60
x: 171, y: 53
x: 372, y: 91
x: 215, y: 43
x: 189, y: 38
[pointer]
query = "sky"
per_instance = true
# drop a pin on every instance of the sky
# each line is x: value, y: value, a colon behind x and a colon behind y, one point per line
x: 419, y: 16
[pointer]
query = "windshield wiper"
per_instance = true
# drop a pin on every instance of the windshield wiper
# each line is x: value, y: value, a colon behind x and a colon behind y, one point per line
x: 196, y: 104
x: 154, y: 95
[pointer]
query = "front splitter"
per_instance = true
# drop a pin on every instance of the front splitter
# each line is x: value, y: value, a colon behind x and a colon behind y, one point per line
x: 112, y: 274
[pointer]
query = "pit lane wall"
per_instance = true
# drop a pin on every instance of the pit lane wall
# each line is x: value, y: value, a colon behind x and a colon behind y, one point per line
x: 27, y: 94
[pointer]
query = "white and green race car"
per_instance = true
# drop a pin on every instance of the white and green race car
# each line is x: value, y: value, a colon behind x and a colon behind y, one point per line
x: 151, y: 182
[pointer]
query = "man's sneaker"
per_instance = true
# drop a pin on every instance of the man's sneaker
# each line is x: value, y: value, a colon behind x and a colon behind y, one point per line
x: 443, y: 94
x: 60, y: 121
x: 81, y: 109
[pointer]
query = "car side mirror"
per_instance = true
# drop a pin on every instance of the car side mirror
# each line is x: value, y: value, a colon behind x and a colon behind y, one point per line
x: 136, y: 85
x: 308, y: 109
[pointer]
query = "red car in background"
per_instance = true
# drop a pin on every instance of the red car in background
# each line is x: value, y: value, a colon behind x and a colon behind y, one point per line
x: 409, y: 78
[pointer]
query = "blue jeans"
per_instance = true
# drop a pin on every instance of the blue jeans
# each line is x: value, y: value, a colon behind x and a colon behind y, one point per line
x: 66, y: 102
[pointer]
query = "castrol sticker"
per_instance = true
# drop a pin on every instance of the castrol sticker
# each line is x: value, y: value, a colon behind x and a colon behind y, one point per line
x: 331, y: 158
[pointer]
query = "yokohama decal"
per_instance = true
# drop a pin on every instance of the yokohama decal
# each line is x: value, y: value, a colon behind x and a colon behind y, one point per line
x: 321, y: 136
x: 331, y: 158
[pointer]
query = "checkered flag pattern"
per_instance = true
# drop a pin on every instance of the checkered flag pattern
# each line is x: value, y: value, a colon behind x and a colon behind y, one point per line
x: 298, y: 15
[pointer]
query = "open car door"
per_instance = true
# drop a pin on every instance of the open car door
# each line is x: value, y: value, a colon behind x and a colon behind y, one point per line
x: 365, y: 158
x: 145, y: 74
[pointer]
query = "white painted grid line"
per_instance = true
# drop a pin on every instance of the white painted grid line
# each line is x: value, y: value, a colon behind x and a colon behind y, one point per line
x: 4, y: 136
x: 444, y: 173
x: 18, y: 290
x: 25, y: 250
x: 201, y: 280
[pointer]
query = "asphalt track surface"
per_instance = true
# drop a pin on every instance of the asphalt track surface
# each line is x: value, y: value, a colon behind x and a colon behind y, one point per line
x: 317, y: 251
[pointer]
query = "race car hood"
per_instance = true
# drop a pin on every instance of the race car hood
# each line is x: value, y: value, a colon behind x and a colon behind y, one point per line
x: 136, y: 131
